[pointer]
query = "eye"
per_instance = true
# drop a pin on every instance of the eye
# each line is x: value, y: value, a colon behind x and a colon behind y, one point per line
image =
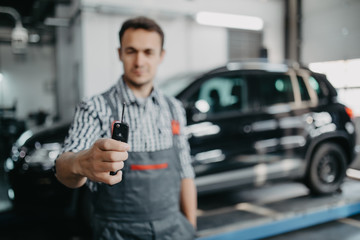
x: 149, y: 52
x: 130, y: 51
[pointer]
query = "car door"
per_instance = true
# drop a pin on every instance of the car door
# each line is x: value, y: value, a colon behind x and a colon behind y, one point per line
x: 276, y: 122
x: 220, y: 112
x: 279, y: 126
x: 243, y: 119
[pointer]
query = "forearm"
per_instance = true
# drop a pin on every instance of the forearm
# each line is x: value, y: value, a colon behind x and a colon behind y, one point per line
x: 67, y: 170
x: 188, y: 200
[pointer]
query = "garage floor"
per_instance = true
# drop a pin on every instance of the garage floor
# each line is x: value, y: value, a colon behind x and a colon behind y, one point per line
x: 272, y: 210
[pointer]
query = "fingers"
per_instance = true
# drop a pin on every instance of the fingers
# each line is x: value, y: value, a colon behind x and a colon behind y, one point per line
x: 115, y: 178
x: 110, y: 166
x: 110, y: 179
x: 107, y: 161
x: 112, y: 145
x: 106, y: 155
x: 114, y: 156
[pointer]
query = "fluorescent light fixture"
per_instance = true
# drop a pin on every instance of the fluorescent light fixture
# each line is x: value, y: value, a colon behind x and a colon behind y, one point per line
x: 230, y: 20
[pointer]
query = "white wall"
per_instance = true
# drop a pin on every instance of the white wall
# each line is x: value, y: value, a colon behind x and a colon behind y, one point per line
x: 189, y: 46
x: 85, y: 62
x: 331, y: 30
x: 69, y: 63
x: 29, y: 80
x: 100, y: 60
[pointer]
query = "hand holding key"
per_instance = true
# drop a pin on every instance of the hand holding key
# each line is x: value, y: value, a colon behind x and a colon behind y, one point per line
x: 106, y: 155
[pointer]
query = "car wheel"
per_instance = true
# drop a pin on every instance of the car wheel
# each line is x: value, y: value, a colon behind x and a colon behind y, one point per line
x: 327, y: 169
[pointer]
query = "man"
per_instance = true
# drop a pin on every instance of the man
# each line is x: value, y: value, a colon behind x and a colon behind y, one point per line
x: 153, y: 196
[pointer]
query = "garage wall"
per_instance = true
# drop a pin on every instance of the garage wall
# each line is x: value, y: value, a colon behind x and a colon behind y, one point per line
x: 69, y: 61
x: 189, y: 46
x: 331, y: 30
x: 86, y: 51
x: 29, y: 80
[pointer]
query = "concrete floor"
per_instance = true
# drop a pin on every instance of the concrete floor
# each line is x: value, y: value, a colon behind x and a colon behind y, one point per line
x: 272, y: 210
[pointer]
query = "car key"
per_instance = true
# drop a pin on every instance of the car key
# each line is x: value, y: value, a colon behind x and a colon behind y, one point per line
x: 120, y: 131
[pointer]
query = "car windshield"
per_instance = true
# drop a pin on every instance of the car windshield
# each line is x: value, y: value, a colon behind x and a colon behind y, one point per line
x: 174, y: 85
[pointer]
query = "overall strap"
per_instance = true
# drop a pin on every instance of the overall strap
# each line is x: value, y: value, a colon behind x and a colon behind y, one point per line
x: 175, y: 125
x: 171, y: 107
x: 114, y: 108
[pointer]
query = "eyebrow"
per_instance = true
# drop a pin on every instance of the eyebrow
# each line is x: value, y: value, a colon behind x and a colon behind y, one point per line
x: 130, y: 48
x: 137, y: 50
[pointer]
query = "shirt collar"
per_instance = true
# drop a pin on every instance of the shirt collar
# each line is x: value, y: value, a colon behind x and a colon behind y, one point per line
x: 128, y: 97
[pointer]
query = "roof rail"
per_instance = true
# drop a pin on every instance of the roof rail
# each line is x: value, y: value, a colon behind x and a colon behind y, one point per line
x: 270, y: 67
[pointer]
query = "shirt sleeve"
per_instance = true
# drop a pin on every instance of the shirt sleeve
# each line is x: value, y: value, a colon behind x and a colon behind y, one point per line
x: 85, y: 128
x: 187, y: 170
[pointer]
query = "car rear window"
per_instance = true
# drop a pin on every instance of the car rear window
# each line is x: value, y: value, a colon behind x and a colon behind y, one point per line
x: 322, y: 88
x: 316, y: 86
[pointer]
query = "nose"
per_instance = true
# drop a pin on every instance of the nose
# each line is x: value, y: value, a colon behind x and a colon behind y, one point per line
x: 139, y: 60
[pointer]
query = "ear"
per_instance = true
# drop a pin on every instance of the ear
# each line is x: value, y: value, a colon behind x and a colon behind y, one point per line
x: 162, y: 55
x: 119, y: 53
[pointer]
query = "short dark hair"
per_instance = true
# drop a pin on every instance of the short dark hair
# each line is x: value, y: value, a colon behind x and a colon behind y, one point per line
x: 142, y: 23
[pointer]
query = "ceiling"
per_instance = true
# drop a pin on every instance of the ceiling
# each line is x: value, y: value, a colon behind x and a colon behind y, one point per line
x: 33, y: 14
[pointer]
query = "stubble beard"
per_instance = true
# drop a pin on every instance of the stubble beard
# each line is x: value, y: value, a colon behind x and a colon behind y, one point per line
x: 139, y: 86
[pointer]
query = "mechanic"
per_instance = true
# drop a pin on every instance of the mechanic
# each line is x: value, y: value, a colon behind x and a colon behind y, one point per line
x: 153, y: 196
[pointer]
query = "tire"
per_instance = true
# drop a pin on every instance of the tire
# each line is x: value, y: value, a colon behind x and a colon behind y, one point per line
x: 327, y: 169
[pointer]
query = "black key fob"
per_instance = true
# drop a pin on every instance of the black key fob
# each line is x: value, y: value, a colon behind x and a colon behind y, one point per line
x: 120, y: 132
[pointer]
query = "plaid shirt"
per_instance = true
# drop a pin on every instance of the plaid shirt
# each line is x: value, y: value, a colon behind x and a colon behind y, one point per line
x: 149, y: 122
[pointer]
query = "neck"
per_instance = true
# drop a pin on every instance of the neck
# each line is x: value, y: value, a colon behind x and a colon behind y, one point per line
x: 139, y: 90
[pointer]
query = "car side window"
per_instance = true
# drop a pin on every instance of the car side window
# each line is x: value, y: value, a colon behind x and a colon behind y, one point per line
x: 222, y: 94
x: 303, y: 90
x: 317, y: 87
x: 274, y: 89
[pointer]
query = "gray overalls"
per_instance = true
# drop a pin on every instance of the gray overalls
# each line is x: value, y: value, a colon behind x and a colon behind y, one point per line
x: 145, y: 204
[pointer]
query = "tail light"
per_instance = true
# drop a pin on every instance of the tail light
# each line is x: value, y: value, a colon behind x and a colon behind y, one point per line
x: 349, y: 112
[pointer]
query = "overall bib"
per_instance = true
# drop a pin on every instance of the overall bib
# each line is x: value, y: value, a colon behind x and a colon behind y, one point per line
x: 145, y: 204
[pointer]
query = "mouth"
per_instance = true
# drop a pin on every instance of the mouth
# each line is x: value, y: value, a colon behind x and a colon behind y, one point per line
x: 138, y: 72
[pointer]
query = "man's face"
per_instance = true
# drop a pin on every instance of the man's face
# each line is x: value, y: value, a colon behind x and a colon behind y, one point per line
x: 141, y: 54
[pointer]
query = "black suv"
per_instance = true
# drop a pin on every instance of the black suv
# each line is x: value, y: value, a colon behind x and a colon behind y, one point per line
x: 248, y: 123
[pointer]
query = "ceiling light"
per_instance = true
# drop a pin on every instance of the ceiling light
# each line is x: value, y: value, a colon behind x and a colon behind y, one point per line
x: 19, y: 35
x: 230, y: 20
